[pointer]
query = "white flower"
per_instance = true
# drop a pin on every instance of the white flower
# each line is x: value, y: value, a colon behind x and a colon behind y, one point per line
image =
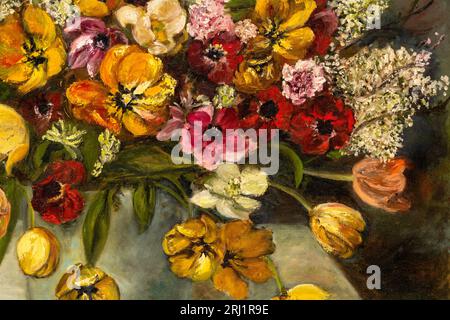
x: 109, y: 148
x: 229, y: 191
x: 160, y: 28
x: 66, y: 134
x: 9, y: 7
x: 62, y: 11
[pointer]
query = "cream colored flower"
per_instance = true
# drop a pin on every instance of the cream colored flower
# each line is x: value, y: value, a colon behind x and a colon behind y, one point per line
x: 160, y: 28
x: 228, y: 191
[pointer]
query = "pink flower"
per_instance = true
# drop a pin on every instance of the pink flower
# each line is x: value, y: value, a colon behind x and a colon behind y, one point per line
x: 208, y: 134
x: 302, y: 81
x: 91, y: 40
x: 246, y: 30
x: 207, y: 19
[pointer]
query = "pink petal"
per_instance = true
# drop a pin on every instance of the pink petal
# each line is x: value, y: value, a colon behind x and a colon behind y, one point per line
x: 94, y: 62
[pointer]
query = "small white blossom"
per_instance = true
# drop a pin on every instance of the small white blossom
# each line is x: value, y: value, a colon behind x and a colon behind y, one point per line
x: 246, y: 30
x: 109, y: 148
x: 9, y: 7
x: 62, y: 11
x: 66, y: 134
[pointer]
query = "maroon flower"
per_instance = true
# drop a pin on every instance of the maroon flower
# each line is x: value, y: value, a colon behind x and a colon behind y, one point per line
x: 42, y: 109
x: 324, y: 23
x: 325, y: 123
x: 271, y: 110
x: 217, y: 58
x: 54, y: 197
x: 91, y: 41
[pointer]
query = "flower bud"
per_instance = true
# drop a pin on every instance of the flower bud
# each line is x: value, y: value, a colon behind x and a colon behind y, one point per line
x: 380, y: 184
x: 304, y: 292
x: 337, y: 228
x: 5, y: 214
x: 38, y: 252
x: 86, y: 283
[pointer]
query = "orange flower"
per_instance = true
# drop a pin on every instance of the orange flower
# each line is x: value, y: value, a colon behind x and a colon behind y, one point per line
x: 381, y: 185
x: 134, y: 92
x: 5, y: 214
x: 246, y: 248
x: 30, y: 50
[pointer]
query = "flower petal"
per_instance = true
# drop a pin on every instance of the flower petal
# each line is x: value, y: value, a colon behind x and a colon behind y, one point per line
x: 254, y: 269
x: 229, y: 282
x: 174, y: 242
x: 245, y: 241
x: 38, y: 23
x: 37, y: 79
x: 254, y: 181
x: 303, y: 10
x: 204, y: 199
x: 56, y: 58
x: 228, y: 171
x: 93, y: 8
x: 138, y: 68
x: 294, y: 45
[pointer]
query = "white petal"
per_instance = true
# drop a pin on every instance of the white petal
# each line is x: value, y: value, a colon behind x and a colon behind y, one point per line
x: 227, y: 208
x: 217, y: 185
x: 228, y: 171
x: 128, y: 15
x: 254, y: 182
x: 247, y: 204
x: 204, y: 199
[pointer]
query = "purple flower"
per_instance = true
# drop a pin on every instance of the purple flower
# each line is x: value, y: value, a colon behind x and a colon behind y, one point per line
x: 302, y: 81
x: 91, y: 40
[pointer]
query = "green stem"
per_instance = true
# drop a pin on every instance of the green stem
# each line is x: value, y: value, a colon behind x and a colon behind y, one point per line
x: 172, y: 193
x: 276, y: 276
x: 31, y: 213
x: 293, y: 193
x: 329, y: 175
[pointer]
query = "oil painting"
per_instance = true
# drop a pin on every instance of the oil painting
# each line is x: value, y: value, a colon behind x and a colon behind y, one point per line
x: 224, y: 149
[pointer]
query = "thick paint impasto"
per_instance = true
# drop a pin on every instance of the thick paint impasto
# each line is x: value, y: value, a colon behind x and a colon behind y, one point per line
x: 224, y: 149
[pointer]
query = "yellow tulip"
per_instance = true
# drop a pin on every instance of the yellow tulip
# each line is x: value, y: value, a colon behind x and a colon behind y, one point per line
x: 87, y: 283
x: 14, y: 137
x: 5, y: 214
x: 337, y: 228
x: 304, y: 292
x: 38, y: 252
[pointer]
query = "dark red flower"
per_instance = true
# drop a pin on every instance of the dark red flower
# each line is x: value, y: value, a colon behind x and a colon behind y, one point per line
x: 270, y: 111
x: 325, y: 123
x: 54, y: 197
x: 217, y: 58
x: 67, y: 172
x: 41, y: 109
x: 324, y: 23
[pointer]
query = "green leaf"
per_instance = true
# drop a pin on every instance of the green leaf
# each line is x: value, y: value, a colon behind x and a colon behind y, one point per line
x: 240, y: 9
x: 144, y: 201
x: 335, y: 155
x: 144, y: 161
x: 39, y: 153
x: 5, y: 91
x: 296, y: 162
x: 90, y: 149
x: 15, y: 194
x: 96, y: 224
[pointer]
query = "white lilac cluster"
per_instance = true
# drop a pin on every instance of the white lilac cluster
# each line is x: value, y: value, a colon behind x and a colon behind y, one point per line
x: 109, y: 148
x: 385, y: 87
x: 62, y: 11
x: 355, y: 16
x: 8, y: 7
x: 246, y: 30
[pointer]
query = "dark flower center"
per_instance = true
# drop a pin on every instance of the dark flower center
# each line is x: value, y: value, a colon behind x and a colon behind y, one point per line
x: 88, y: 290
x: 52, y: 190
x: 34, y: 55
x: 137, y: 2
x: 43, y: 108
x: 324, y: 127
x: 125, y: 99
x: 268, y: 110
x: 101, y: 41
x: 215, y: 52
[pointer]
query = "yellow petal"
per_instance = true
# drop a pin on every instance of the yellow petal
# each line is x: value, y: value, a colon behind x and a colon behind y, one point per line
x: 93, y: 8
x: 139, y: 68
x: 307, y: 292
x: 294, y: 44
x: 192, y: 228
x: 300, y: 13
x: 107, y: 289
x: 18, y: 73
x: 136, y: 125
x: 56, y: 58
x: 228, y: 281
x: 269, y: 9
x: 14, y: 137
x: 159, y: 94
x: 111, y: 62
x: 5, y: 213
x: 37, y: 79
x: 174, y: 242
x: 40, y: 25
x: 181, y: 264
x: 203, y: 267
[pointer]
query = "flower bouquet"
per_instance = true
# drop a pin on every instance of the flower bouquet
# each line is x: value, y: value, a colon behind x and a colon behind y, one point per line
x: 213, y: 102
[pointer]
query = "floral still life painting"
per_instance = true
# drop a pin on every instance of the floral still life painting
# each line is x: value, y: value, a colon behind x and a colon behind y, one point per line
x: 224, y: 149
